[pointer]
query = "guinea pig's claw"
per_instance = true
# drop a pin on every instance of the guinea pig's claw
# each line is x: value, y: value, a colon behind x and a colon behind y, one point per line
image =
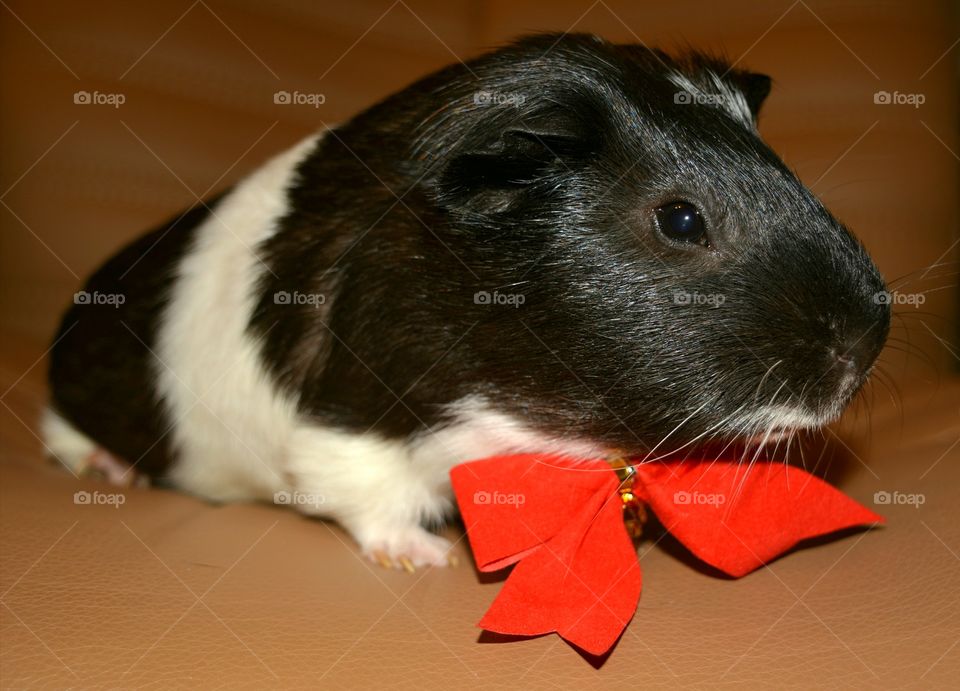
x: 400, y: 562
x: 404, y: 562
x: 410, y: 549
x: 382, y: 559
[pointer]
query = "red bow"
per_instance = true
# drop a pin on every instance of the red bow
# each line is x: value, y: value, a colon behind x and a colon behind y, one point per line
x: 562, y: 520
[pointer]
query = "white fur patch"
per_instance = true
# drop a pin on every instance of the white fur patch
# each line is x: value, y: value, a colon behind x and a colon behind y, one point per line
x: 477, y: 431
x: 230, y: 425
x: 713, y: 91
x: 774, y: 420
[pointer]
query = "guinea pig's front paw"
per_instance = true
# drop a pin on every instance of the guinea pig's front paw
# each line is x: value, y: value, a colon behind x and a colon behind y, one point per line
x: 409, y: 548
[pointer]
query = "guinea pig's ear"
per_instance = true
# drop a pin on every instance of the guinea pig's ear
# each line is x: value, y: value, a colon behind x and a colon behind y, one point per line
x: 493, y: 173
x: 755, y: 88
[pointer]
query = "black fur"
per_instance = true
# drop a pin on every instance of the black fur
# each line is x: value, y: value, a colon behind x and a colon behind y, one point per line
x: 102, y: 371
x: 553, y: 198
x: 407, y: 212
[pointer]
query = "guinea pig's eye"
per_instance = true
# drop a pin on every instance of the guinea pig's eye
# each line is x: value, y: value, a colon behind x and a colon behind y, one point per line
x: 682, y: 221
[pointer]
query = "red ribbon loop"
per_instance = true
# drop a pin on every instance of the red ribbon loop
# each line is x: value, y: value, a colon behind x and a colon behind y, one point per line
x: 578, y: 575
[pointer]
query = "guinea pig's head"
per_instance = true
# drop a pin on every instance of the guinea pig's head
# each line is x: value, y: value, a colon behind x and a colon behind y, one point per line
x: 649, y: 267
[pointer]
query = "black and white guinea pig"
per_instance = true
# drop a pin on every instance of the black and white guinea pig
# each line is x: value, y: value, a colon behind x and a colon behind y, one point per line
x: 565, y: 245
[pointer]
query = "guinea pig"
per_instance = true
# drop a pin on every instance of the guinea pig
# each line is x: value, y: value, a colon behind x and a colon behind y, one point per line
x: 563, y: 246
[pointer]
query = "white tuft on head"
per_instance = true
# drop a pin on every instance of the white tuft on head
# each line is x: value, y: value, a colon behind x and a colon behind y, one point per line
x: 711, y: 89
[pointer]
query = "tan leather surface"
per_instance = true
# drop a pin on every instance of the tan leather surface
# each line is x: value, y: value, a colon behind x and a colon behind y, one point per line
x: 166, y: 591
x: 169, y: 592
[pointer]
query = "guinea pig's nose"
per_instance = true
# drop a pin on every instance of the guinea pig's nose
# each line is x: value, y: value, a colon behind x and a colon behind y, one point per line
x: 842, y: 358
x: 856, y: 355
x: 845, y: 360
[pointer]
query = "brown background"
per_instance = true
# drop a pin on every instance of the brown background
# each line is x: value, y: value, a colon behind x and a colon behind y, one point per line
x: 91, y: 596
